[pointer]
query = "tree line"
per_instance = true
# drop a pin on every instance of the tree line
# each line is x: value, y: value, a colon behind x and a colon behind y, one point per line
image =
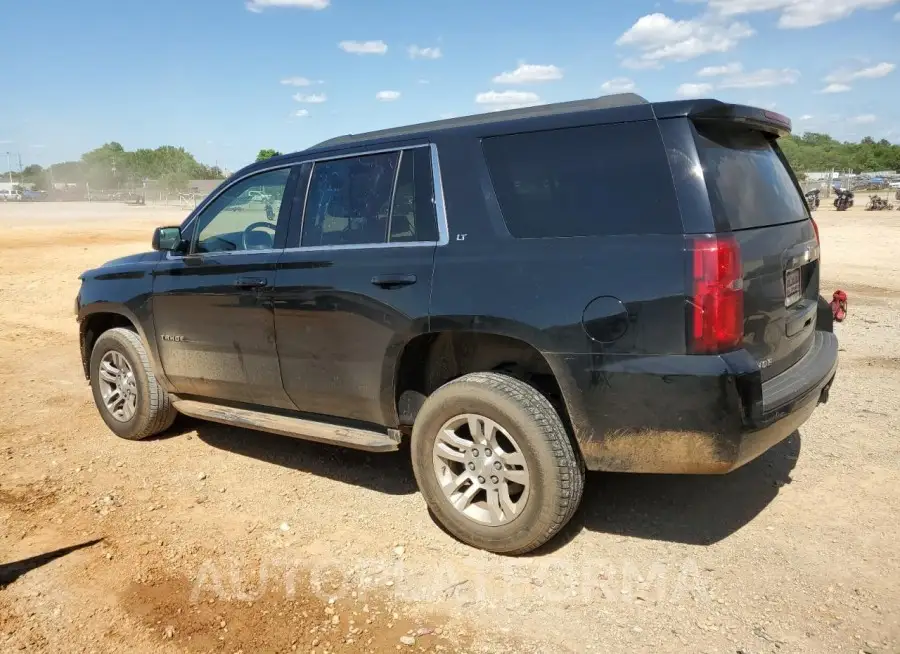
x: 111, y: 166
x: 812, y: 151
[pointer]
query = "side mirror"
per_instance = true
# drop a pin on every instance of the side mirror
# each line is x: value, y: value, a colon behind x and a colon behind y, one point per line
x: 167, y: 239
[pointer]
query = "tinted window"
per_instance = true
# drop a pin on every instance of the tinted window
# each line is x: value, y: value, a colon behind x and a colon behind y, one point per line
x: 244, y: 216
x: 349, y: 200
x: 749, y: 184
x: 584, y: 181
x: 413, y: 214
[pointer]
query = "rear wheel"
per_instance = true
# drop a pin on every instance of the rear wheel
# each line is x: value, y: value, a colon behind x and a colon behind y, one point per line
x: 495, y: 464
x: 130, y: 400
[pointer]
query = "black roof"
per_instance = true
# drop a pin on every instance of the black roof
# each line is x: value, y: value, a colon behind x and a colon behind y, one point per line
x: 620, y: 107
x: 577, y: 106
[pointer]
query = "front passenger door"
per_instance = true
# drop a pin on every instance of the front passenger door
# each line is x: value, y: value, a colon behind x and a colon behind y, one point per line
x: 212, y: 307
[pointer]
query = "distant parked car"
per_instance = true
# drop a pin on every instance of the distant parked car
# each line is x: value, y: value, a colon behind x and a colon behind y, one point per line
x: 33, y: 196
x: 10, y: 196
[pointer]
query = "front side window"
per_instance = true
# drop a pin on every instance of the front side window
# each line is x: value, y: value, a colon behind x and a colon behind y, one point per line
x: 371, y: 199
x: 244, y: 216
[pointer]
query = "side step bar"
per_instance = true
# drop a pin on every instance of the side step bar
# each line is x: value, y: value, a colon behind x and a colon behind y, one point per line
x: 310, y: 430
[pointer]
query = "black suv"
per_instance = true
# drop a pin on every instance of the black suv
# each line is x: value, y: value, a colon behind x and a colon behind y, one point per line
x: 606, y: 284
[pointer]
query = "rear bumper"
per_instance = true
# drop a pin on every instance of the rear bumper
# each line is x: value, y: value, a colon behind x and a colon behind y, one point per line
x: 688, y: 414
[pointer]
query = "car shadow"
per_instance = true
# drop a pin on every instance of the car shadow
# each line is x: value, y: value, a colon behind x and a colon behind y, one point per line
x: 9, y: 572
x: 389, y: 473
x: 689, y: 509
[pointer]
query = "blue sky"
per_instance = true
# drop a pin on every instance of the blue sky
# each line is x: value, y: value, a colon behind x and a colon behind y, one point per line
x: 225, y: 78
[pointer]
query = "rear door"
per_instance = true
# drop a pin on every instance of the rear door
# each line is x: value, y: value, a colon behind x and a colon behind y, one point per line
x: 754, y: 195
x: 354, y: 284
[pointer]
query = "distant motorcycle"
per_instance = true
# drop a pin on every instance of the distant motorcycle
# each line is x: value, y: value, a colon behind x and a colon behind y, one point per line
x: 844, y: 199
x: 878, y: 204
x: 812, y: 199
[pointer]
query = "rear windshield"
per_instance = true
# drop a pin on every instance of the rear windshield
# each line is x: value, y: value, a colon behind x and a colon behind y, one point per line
x: 749, y: 184
x: 584, y: 181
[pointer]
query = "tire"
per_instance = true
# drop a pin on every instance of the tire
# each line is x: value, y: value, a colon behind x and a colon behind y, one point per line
x: 153, y: 411
x: 530, y: 431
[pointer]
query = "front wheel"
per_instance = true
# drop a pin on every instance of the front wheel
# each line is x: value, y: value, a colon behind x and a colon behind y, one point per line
x: 130, y: 399
x: 495, y: 464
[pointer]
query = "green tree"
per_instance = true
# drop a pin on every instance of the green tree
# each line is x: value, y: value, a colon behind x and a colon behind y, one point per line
x: 820, y: 152
x: 267, y: 153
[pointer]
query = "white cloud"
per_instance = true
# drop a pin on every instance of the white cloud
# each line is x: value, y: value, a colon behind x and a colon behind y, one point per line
x: 363, y: 47
x: 871, y: 72
x: 301, y: 113
x: 529, y: 73
x: 299, y: 81
x: 714, y: 71
x: 864, y: 119
x: 423, y: 81
x: 897, y: 17
x: 693, y: 90
x: 447, y: 115
x: 500, y: 100
x: 796, y: 14
x: 387, y: 96
x: 835, y: 88
x: 805, y: 117
x: 257, y: 6
x: 37, y: 146
x: 415, y: 52
x: 313, y: 98
x: 662, y: 38
x: 618, y: 85
x: 6, y: 142
x: 761, y: 78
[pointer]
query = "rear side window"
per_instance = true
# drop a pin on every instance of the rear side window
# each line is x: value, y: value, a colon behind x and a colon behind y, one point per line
x: 584, y: 181
x: 748, y: 181
x: 371, y: 199
x: 349, y: 200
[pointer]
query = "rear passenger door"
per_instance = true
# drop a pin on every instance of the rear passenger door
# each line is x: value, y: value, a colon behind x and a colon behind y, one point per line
x: 353, y: 285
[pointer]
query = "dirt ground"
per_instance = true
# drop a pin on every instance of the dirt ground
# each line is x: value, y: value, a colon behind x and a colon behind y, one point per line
x: 212, y: 539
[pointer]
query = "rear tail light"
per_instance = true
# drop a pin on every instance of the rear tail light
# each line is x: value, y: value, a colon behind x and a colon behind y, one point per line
x: 717, y: 307
x: 818, y: 240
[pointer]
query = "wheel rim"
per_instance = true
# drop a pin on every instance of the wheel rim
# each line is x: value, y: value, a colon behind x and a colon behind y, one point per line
x: 481, y: 470
x: 118, y: 387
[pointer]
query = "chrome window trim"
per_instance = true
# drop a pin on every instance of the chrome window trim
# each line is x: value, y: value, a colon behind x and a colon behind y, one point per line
x: 437, y: 187
x: 224, y: 253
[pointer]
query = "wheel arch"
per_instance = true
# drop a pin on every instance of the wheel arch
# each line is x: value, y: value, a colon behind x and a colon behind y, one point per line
x: 94, y: 320
x: 432, y: 359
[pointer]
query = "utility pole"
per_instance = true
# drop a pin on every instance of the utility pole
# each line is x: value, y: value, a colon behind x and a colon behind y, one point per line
x: 9, y: 170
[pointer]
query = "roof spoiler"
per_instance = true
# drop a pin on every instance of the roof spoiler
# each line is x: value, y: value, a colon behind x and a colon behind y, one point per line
x: 761, y: 119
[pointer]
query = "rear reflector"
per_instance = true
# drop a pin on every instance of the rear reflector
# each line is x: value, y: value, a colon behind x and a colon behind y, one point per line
x: 717, y: 308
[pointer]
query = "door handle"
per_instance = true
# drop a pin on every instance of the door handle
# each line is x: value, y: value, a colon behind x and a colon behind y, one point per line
x: 250, y: 282
x: 395, y: 280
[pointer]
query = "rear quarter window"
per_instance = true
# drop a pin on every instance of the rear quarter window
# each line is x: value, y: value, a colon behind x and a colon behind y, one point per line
x: 584, y: 181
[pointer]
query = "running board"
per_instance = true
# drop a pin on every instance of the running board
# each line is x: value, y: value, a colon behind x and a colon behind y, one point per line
x: 310, y: 430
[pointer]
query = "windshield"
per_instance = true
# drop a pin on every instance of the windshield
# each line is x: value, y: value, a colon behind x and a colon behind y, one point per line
x: 748, y: 182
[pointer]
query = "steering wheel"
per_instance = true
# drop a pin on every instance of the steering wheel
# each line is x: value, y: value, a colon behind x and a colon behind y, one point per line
x: 249, y: 235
